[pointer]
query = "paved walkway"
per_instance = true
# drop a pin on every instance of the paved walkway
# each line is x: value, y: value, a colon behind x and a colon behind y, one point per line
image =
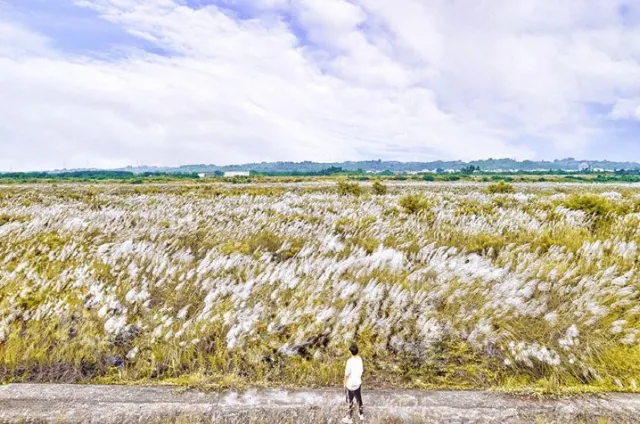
x: 58, y: 404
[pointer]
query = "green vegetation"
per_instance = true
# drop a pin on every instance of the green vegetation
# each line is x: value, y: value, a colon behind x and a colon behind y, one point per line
x: 94, y: 175
x: 590, y: 204
x: 379, y: 189
x: 414, y: 203
x: 493, y: 169
x: 500, y: 187
x: 346, y: 188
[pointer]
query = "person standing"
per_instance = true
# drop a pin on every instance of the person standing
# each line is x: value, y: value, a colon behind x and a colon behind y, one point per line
x: 353, y: 384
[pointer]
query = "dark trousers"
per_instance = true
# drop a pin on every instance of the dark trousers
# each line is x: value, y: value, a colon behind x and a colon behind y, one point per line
x: 351, y: 394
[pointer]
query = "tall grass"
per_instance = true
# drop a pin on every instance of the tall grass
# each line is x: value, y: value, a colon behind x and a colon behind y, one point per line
x: 442, y: 285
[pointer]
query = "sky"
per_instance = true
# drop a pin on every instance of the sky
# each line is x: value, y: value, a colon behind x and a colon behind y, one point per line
x: 111, y: 83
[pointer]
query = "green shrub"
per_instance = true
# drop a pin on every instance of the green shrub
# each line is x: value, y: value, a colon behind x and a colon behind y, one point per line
x: 590, y: 204
x: 500, y: 187
x: 428, y: 178
x: 379, y: 188
x: 346, y: 188
x: 414, y: 203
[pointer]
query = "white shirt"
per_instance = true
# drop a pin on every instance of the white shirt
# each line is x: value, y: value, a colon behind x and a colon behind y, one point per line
x: 353, y: 372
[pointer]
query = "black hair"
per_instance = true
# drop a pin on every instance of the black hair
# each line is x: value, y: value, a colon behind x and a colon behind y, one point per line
x: 353, y: 349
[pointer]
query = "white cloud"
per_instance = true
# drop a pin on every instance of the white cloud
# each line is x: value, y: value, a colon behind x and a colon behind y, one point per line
x: 626, y: 109
x: 16, y: 41
x: 334, y: 80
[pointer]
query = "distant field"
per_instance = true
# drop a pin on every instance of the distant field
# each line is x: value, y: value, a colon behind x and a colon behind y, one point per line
x: 449, y: 285
x: 327, y: 176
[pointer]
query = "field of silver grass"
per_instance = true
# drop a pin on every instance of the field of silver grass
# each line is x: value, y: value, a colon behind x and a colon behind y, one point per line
x: 440, y: 284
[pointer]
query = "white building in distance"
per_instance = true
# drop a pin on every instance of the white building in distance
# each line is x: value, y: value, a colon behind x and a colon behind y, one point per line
x: 236, y: 174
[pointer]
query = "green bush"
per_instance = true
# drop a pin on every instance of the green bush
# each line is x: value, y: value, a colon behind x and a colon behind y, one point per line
x: 429, y: 178
x: 414, y: 203
x: 500, y: 187
x: 379, y: 188
x: 346, y: 188
x: 590, y: 204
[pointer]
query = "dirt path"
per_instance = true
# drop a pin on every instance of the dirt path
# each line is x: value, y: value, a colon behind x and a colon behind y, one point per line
x: 21, y: 403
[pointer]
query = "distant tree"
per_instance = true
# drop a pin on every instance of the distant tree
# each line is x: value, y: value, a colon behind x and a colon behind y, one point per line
x: 333, y: 170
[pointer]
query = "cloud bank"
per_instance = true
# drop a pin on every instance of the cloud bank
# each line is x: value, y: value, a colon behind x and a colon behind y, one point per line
x: 167, y: 82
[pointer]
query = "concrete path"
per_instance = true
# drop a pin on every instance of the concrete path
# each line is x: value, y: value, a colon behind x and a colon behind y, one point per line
x: 27, y: 403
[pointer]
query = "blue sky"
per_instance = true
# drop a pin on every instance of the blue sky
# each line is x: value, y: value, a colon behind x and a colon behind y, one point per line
x: 72, y: 29
x: 109, y: 83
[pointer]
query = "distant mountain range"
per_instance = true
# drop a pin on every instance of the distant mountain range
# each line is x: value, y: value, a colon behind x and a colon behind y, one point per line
x: 567, y: 164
